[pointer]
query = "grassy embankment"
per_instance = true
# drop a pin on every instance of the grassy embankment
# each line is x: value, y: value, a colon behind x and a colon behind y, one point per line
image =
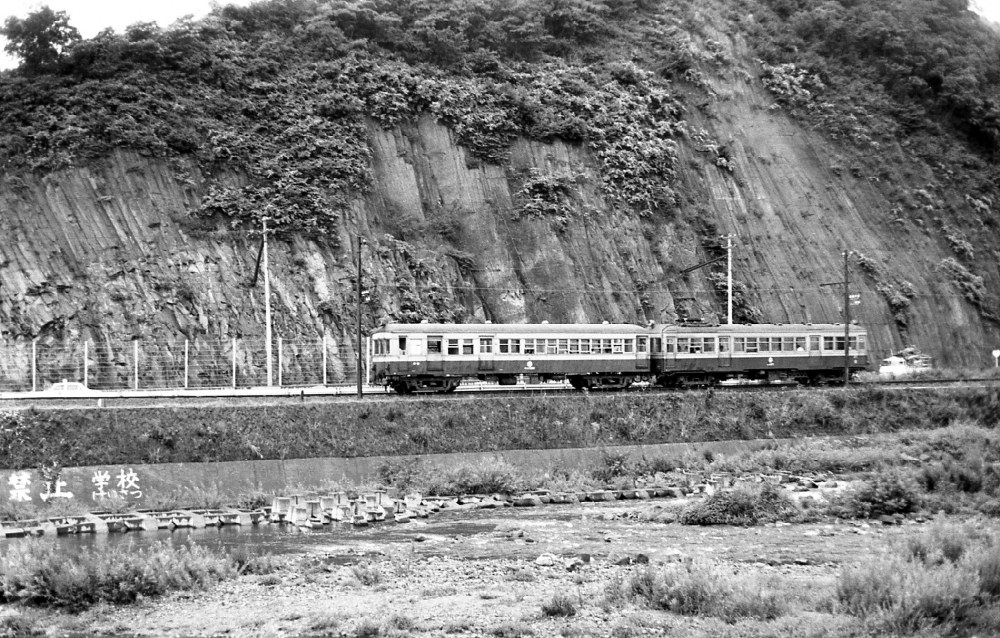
x: 921, y: 467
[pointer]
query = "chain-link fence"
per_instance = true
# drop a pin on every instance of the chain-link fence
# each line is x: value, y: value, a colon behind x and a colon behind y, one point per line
x: 178, y: 364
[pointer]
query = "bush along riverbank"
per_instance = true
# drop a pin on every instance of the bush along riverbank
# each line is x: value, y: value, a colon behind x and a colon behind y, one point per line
x: 81, y: 437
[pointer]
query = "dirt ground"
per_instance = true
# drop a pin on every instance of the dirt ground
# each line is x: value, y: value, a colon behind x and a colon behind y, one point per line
x: 490, y: 572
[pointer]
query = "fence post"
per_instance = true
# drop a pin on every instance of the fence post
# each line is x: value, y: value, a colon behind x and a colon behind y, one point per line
x: 85, y: 344
x: 135, y: 361
x: 185, y: 364
x: 280, y: 362
x: 324, y: 359
x: 234, y: 363
x: 34, y: 366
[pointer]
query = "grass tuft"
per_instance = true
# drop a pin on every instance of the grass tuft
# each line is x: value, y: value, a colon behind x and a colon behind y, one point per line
x: 744, y: 505
x: 561, y: 604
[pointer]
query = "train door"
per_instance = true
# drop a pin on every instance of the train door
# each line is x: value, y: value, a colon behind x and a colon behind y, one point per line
x: 814, y: 349
x: 725, y: 352
x: 435, y: 354
x: 642, y: 353
x: 669, y: 352
x: 485, y: 353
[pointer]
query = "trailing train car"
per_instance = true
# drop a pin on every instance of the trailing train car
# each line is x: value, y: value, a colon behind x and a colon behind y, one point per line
x: 436, y: 357
x: 805, y: 353
x: 430, y: 357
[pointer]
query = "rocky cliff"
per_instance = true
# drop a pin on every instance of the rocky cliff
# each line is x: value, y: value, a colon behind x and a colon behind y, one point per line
x: 111, y: 251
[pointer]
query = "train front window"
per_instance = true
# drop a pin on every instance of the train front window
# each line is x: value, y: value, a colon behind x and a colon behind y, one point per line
x: 452, y: 346
x: 434, y: 345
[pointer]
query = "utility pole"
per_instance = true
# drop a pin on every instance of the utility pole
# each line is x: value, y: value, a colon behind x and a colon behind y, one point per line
x: 267, y: 308
x: 360, y: 390
x: 847, y: 320
x: 729, y: 278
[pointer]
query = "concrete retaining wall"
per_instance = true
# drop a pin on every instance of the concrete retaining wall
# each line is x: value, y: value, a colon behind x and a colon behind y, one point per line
x: 138, y: 482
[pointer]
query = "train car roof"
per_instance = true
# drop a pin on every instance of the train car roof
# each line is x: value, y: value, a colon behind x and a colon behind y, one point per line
x: 512, y: 328
x: 755, y: 328
x: 600, y: 329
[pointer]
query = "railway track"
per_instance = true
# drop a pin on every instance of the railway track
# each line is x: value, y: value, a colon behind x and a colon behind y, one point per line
x: 225, y: 397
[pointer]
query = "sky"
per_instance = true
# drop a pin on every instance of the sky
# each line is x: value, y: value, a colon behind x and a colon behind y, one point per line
x: 92, y: 16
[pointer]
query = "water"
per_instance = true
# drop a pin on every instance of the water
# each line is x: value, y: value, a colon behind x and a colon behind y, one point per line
x: 276, y: 539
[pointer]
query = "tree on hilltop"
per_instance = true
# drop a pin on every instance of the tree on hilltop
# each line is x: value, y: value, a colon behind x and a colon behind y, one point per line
x: 41, y: 39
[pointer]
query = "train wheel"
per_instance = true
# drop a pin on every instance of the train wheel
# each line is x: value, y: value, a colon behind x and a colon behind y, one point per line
x: 451, y: 385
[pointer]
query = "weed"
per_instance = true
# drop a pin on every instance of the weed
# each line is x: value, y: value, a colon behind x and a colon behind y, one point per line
x: 561, y: 604
x: 698, y: 589
x: 368, y: 628
x: 458, y: 627
x: 511, y: 630
x: 887, y: 492
x: 327, y: 623
x: 613, y: 465
x: 403, y: 623
x: 367, y: 575
x: 248, y: 562
x: 38, y: 574
x: 744, y: 505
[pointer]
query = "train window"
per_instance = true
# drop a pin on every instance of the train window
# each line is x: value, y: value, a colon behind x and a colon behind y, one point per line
x: 683, y: 345
x: 452, y: 346
x: 434, y: 345
x: 752, y: 344
x: 709, y: 345
x: 467, y: 346
x: 656, y: 345
x: 640, y: 344
x: 616, y: 346
x: 788, y: 344
x: 723, y: 344
x: 485, y: 345
x: 741, y: 344
x: 814, y: 342
x: 574, y: 346
x: 606, y: 346
x: 515, y: 346
x: 551, y: 347
x: 764, y: 344
x: 668, y: 345
x: 828, y: 343
x: 504, y: 346
x: 402, y: 345
x: 584, y: 346
x: 529, y: 346
x: 800, y: 344
x: 563, y: 346
x: 628, y: 345
x: 861, y: 344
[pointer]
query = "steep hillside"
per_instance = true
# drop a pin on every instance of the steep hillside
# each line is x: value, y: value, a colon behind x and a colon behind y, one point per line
x: 511, y: 162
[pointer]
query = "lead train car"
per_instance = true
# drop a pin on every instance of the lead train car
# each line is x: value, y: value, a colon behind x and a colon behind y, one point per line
x: 436, y: 357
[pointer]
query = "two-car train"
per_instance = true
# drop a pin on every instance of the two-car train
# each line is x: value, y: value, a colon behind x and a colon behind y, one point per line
x: 434, y: 357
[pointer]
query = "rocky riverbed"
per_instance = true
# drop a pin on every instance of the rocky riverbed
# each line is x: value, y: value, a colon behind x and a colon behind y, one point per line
x: 543, y: 571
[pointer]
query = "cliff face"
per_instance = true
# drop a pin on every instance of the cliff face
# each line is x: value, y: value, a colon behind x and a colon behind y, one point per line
x: 109, y: 252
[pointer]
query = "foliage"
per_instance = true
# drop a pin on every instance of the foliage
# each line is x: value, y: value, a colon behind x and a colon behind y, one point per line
x: 283, y: 93
x: 699, y: 589
x: 971, y: 285
x: 885, y: 493
x: 741, y: 506
x: 561, y: 604
x: 39, y: 40
x: 40, y: 574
